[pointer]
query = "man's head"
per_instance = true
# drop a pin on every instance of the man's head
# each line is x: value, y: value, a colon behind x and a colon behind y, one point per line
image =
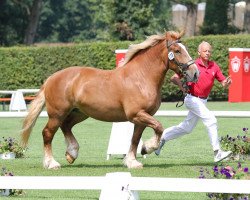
x: 204, y: 51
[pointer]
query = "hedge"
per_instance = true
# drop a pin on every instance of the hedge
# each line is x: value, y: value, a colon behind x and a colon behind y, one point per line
x: 28, y: 67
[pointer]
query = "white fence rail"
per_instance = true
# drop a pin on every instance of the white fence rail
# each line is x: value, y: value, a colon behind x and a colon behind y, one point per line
x: 163, y: 113
x: 216, y: 113
x: 134, y: 183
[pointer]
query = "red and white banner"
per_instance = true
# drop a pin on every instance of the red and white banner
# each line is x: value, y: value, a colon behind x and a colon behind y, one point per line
x: 239, y: 70
x: 120, y: 56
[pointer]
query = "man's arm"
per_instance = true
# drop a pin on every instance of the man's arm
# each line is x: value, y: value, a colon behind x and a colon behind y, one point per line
x: 226, y: 82
x: 177, y: 81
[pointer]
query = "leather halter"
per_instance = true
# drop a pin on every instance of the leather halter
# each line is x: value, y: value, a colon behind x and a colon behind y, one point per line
x: 182, y: 66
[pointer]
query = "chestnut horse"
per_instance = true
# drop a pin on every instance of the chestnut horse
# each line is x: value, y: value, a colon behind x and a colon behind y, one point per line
x: 131, y: 92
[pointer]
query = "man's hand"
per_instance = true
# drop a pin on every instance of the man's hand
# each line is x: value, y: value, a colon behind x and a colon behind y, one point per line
x: 227, y: 82
x: 185, y: 90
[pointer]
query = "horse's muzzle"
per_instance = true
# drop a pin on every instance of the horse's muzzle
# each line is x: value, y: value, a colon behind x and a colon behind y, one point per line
x: 196, y: 76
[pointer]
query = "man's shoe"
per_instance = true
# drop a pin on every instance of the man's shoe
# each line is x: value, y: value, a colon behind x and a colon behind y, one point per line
x: 158, y: 151
x: 221, y: 155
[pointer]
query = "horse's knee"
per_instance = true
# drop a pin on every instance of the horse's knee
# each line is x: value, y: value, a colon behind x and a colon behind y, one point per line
x: 159, y: 129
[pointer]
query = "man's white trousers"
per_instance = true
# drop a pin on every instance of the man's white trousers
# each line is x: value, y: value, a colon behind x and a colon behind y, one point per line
x: 197, y: 110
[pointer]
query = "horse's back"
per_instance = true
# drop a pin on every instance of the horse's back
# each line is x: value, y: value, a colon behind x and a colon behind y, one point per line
x: 89, y: 89
x: 108, y: 95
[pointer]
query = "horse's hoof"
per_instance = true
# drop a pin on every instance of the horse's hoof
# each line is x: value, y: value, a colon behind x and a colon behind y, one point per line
x: 132, y: 163
x: 143, y: 150
x: 69, y: 158
x: 139, y: 166
x: 55, y: 167
x: 135, y: 165
x: 51, y: 165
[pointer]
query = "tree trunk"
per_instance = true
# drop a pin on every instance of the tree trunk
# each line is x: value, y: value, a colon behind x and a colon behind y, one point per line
x: 33, y: 22
x: 191, y: 19
x: 247, y: 17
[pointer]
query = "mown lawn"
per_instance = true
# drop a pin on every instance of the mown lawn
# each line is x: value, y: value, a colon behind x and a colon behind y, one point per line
x: 180, y: 158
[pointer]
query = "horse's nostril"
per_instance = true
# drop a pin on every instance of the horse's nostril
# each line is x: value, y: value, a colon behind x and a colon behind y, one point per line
x: 195, y: 76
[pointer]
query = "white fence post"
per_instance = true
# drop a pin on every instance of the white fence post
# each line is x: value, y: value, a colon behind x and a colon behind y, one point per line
x: 117, y: 187
x: 120, y: 139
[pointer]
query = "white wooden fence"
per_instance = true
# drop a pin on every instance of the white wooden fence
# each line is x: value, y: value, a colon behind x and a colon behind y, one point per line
x: 115, y: 182
x: 166, y: 113
x: 135, y: 183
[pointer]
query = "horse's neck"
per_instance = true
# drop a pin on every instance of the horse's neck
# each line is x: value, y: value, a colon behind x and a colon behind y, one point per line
x: 150, y: 64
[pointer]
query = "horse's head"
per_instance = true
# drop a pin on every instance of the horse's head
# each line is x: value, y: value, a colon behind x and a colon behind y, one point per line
x: 179, y: 59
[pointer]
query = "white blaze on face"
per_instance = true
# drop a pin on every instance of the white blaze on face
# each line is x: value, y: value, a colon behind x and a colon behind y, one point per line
x: 193, y: 73
x: 184, y: 48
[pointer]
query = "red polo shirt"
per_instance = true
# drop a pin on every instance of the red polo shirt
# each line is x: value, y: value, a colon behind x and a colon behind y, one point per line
x: 204, y: 85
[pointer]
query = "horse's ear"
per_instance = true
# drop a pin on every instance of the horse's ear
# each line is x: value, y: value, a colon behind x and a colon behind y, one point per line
x: 182, y: 32
x: 168, y: 35
x: 172, y: 34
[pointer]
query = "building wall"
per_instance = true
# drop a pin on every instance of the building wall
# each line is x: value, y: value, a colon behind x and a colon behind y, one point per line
x: 235, y: 14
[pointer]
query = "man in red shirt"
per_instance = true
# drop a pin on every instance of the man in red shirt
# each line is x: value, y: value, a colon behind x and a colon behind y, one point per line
x: 196, y: 100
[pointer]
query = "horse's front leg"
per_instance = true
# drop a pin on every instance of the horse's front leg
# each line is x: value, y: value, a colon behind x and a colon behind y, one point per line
x: 130, y: 159
x: 152, y: 144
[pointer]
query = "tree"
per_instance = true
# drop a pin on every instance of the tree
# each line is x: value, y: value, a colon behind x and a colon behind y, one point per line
x: 216, y: 18
x: 135, y: 19
x: 65, y: 21
x: 34, y: 15
x: 29, y: 21
x: 191, y: 19
x: 247, y: 17
x: 13, y: 21
x: 192, y: 8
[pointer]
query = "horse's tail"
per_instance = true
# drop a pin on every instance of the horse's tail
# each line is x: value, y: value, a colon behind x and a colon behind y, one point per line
x: 35, y: 109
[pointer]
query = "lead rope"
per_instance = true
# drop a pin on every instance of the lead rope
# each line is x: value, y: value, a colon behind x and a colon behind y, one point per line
x: 182, y: 94
x: 181, y: 98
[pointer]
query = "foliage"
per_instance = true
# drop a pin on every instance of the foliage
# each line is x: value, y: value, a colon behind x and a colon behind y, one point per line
x: 109, y: 20
x: 63, y: 21
x: 239, y: 145
x: 11, y: 145
x: 226, y: 172
x: 216, y: 19
x: 28, y: 67
x: 13, y: 192
x: 132, y: 20
x: 77, y: 20
x: 13, y: 21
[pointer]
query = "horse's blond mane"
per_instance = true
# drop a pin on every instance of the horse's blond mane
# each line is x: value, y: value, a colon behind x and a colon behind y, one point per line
x: 134, y: 48
x: 149, y: 42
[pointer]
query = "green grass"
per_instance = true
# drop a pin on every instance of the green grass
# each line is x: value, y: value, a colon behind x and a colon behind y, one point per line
x: 180, y: 158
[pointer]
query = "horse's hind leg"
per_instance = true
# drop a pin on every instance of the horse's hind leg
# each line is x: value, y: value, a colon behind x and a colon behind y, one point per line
x: 48, y: 134
x: 72, y: 145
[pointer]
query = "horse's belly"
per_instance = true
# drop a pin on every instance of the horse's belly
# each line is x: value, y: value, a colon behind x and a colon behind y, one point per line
x: 104, y: 113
